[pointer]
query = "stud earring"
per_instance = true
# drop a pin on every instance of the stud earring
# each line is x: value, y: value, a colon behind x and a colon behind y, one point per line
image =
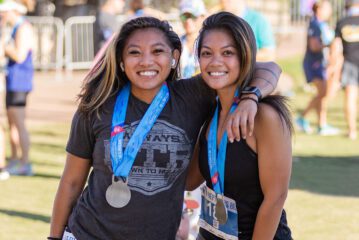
x: 122, y: 66
x: 173, y: 64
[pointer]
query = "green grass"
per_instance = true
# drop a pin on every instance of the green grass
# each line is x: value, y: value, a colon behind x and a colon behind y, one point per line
x: 26, y: 202
x: 323, y: 201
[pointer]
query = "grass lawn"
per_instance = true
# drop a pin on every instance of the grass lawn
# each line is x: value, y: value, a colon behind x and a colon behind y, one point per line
x: 323, y: 201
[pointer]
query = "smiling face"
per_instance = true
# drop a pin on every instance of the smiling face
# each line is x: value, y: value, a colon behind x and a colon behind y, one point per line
x: 219, y: 60
x: 147, y: 59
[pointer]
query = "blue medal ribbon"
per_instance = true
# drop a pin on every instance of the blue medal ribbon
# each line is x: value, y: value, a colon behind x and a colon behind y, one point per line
x: 216, y: 160
x: 122, y: 161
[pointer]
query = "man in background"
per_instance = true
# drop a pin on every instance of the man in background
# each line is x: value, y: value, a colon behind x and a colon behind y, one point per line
x: 106, y: 23
x: 192, y: 14
x: 346, y: 43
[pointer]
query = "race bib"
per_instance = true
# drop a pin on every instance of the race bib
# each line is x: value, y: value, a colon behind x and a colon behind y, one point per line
x: 208, y: 220
x: 68, y: 235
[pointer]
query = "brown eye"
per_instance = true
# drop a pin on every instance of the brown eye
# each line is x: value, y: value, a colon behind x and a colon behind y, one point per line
x: 158, y: 51
x: 228, y: 53
x: 205, y: 53
x: 133, y: 52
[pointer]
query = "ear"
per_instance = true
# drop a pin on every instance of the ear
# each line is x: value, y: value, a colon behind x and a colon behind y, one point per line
x: 176, y: 55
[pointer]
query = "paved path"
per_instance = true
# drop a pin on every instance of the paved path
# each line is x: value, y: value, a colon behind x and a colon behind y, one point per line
x: 53, y: 98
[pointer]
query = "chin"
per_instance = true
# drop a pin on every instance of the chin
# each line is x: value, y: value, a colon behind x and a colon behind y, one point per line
x: 149, y: 85
x: 215, y: 84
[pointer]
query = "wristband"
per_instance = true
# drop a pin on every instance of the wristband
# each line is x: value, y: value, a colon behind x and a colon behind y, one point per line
x: 53, y: 238
x: 249, y: 98
x: 252, y: 90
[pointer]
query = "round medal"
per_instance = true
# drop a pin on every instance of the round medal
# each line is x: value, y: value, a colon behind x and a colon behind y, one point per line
x: 221, y: 211
x: 118, y: 193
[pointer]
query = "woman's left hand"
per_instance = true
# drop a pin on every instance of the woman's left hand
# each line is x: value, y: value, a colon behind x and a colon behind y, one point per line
x: 241, y: 121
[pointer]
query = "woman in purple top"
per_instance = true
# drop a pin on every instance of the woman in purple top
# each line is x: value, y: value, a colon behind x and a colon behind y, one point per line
x: 19, y: 79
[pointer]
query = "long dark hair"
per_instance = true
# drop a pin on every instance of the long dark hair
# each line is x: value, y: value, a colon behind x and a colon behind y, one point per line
x: 245, y: 43
x: 106, y: 77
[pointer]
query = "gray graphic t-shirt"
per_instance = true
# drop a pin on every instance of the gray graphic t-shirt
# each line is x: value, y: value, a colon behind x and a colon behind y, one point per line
x: 157, y: 177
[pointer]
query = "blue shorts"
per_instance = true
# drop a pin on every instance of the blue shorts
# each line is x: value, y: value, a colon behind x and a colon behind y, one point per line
x: 314, y: 70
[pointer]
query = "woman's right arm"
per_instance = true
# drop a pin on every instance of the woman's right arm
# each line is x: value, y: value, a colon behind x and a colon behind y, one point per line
x: 71, y: 185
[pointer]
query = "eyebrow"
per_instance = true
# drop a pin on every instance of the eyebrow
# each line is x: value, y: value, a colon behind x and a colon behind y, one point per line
x: 227, y: 46
x: 153, y: 45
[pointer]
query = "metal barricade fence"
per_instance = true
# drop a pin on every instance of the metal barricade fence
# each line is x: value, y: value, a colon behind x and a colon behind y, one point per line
x: 48, y: 49
x: 79, y: 42
x: 78, y: 33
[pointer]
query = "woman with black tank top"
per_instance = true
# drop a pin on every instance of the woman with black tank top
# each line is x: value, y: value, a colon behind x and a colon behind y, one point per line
x: 247, y: 180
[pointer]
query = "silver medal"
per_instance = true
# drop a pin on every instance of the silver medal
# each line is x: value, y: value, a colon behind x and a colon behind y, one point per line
x: 221, y: 211
x: 118, y: 193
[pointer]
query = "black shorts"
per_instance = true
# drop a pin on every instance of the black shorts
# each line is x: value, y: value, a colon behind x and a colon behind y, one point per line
x: 16, y: 99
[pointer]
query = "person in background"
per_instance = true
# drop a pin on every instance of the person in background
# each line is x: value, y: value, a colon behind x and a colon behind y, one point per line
x: 247, y: 181
x: 192, y: 13
x: 19, y: 79
x: 346, y: 43
x: 260, y: 25
x: 318, y: 39
x: 4, y: 174
x: 106, y: 23
x: 65, y: 9
x: 139, y: 9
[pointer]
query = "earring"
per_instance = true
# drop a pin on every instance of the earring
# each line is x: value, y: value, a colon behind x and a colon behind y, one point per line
x: 173, y: 64
x: 122, y: 66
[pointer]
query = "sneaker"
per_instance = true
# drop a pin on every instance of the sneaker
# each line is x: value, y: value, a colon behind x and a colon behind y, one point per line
x: 12, y: 163
x: 20, y: 169
x: 303, y: 125
x: 328, y: 130
x: 352, y: 135
x: 4, y: 174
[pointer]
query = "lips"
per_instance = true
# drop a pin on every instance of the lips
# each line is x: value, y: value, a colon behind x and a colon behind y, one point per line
x: 148, y: 73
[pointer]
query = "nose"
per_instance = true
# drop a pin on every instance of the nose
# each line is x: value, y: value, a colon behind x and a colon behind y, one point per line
x: 146, y: 59
x: 216, y: 60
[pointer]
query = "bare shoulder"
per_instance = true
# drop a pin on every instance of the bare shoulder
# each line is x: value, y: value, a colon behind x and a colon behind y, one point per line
x: 27, y: 27
x: 26, y: 34
x: 269, y: 120
x: 266, y: 114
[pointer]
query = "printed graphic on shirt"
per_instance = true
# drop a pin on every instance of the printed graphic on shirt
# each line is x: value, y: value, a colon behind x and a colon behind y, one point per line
x: 350, y: 33
x: 162, y: 158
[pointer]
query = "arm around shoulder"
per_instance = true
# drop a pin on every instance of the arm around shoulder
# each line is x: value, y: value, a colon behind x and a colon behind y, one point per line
x: 266, y: 76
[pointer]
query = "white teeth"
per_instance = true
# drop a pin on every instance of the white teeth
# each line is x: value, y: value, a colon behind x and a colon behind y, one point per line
x: 217, y: 73
x: 148, y: 73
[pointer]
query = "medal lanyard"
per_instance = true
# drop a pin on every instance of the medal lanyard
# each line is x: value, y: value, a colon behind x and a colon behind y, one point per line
x: 216, y: 161
x: 122, y: 161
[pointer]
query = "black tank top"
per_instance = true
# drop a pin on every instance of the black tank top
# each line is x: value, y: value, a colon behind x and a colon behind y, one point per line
x: 241, y: 184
